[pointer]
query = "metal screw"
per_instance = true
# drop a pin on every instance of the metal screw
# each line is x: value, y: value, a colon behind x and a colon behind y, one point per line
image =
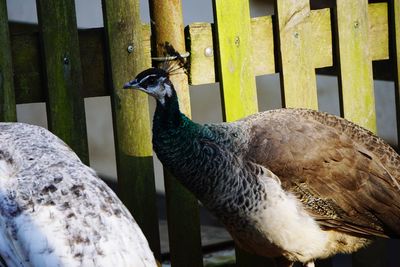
x: 208, y: 52
x: 130, y: 48
x: 66, y: 60
x: 356, y: 24
x: 237, y: 41
x: 296, y: 35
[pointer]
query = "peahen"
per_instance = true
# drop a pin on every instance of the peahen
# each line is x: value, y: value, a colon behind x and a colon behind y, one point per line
x: 294, y: 184
x: 55, y: 211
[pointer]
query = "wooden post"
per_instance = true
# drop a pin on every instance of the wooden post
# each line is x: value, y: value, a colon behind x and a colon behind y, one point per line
x: 62, y: 66
x: 7, y: 98
x: 182, y: 207
x: 126, y: 57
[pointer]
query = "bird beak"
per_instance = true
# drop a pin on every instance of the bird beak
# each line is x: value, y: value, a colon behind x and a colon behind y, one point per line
x: 132, y: 84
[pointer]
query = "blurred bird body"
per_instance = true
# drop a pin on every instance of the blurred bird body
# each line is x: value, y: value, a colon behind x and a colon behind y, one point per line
x: 291, y: 183
x: 55, y: 211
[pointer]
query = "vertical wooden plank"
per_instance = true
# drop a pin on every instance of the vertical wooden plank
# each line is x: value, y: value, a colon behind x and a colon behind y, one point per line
x: 126, y: 57
x: 295, y: 57
x: 356, y: 88
x: 354, y: 60
x: 394, y: 20
x: 182, y: 208
x: 7, y: 97
x: 236, y: 76
x: 65, y: 107
x: 235, y: 66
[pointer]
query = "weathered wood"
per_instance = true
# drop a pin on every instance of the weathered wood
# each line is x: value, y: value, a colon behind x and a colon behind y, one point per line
x: 182, y: 207
x: 7, y: 97
x: 28, y: 83
x: 356, y: 86
x: 394, y: 16
x: 125, y: 48
x: 65, y: 107
x: 378, y: 31
x: 321, y: 38
x: 296, y: 58
x: 262, y: 45
x: 200, y: 44
x: 236, y: 76
x: 354, y: 58
x: 235, y: 66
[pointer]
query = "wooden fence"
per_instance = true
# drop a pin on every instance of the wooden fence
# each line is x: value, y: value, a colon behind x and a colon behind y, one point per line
x: 59, y: 65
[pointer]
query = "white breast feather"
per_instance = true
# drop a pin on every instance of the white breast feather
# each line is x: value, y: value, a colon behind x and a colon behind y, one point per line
x: 55, y: 211
x: 287, y: 224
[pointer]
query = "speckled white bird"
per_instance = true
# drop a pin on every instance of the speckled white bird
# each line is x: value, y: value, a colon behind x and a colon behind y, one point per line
x: 55, y: 211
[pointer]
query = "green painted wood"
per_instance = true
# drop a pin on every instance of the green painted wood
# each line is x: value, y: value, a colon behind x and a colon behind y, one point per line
x: 296, y: 58
x: 236, y: 76
x: 182, y: 206
x: 65, y: 107
x: 7, y: 97
x: 354, y: 62
x: 136, y: 185
x: 234, y: 57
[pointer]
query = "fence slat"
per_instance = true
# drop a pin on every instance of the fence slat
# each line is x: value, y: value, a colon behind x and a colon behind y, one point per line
x: 182, y: 207
x: 136, y: 185
x: 355, y: 79
x: 65, y: 107
x: 7, y: 97
x: 236, y: 76
x: 235, y: 66
x: 356, y: 86
x: 296, y: 58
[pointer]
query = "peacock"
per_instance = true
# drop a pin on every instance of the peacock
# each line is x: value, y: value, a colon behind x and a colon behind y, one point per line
x: 55, y: 211
x: 293, y: 184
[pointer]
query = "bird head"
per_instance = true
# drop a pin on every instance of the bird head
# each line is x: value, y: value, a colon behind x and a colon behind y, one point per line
x: 153, y: 81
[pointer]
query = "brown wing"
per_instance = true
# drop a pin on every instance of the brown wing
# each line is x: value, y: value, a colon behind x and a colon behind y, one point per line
x: 346, y: 177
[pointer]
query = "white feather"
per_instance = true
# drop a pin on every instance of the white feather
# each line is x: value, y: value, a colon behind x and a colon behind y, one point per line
x: 288, y: 226
x: 55, y: 211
